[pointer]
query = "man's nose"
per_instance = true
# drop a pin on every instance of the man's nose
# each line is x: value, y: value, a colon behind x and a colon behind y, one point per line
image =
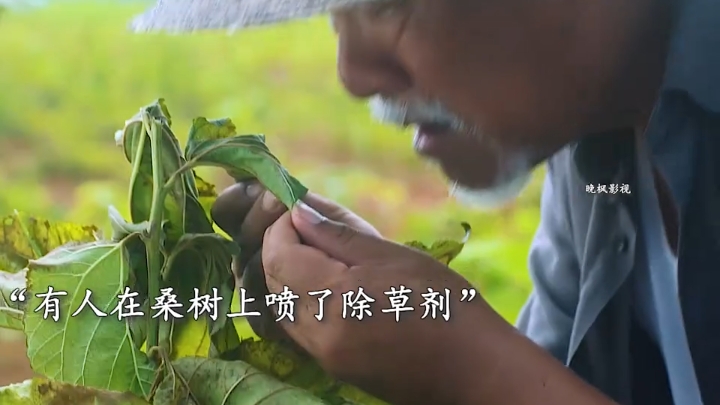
x: 366, y: 72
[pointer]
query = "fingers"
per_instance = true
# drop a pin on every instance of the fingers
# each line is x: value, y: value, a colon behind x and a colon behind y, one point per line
x: 266, y: 325
x: 289, y: 262
x: 246, y: 209
x: 338, y: 213
x: 340, y: 241
x: 233, y: 204
x: 305, y: 271
x: 264, y: 212
x: 267, y: 209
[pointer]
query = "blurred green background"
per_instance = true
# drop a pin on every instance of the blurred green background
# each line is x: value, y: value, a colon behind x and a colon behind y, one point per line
x: 71, y: 74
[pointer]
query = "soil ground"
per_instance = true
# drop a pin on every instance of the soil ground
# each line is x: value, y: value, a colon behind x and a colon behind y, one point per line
x: 14, y: 364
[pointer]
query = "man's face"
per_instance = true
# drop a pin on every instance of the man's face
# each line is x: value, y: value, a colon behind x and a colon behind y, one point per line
x: 494, y: 87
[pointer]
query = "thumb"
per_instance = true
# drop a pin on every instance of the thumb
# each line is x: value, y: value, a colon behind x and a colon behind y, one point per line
x: 338, y: 240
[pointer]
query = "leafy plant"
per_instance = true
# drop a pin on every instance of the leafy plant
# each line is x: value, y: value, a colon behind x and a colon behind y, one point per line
x: 85, y: 302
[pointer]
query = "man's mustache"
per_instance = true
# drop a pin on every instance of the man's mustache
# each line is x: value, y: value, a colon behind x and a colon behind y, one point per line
x: 403, y: 113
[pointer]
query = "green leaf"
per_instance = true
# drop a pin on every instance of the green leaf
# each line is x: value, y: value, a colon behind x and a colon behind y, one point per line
x: 446, y: 250
x: 11, y: 311
x: 86, y: 349
x: 214, y: 143
x: 202, y: 262
x: 183, y: 212
x: 24, y: 238
x: 218, y: 382
x: 300, y: 370
x: 40, y: 391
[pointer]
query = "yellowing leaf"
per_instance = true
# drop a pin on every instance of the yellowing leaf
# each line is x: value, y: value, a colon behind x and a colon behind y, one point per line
x: 444, y: 251
x: 24, y: 238
x: 192, y: 339
x: 206, y: 194
x: 201, y: 264
x: 212, y: 129
x: 40, y: 391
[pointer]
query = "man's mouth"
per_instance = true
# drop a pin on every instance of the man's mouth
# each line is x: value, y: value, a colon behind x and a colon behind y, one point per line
x: 461, y: 155
x: 428, y: 135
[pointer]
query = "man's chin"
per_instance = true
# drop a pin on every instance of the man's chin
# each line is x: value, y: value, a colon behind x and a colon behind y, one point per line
x: 491, y: 198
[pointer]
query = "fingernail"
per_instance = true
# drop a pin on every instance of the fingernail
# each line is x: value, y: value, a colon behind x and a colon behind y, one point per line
x: 253, y: 190
x: 309, y: 214
x: 270, y: 203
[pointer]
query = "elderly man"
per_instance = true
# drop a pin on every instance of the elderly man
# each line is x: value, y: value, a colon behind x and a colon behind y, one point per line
x: 624, y: 308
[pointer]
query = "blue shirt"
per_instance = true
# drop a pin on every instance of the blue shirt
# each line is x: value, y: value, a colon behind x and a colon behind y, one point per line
x: 605, y: 287
x: 658, y: 306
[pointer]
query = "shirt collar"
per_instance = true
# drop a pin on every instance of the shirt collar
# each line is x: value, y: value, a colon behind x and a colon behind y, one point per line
x: 692, y: 67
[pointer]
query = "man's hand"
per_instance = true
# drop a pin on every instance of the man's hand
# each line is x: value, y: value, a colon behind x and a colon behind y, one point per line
x: 245, y: 211
x: 473, y: 357
x: 343, y: 253
x: 416, y: 359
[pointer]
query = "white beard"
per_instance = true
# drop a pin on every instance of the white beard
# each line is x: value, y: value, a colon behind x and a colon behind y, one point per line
x: 491, y: 198
x: 513, y: 175
x: 510, y: 183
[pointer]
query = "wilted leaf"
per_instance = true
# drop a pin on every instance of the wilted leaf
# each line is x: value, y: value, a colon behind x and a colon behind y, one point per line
x: 40, y: 391
x: 201, y: 381
x: 23, y: 238
x: 300, y: 370
x: 182, y: 210
x: 201, y: 264
x: 11, y: 311
x: 86, y: 349
x: 213, y: 143
x: 444, y: 251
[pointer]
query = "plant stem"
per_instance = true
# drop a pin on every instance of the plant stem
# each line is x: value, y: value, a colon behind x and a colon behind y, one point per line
x: 156, y: 217
x: 12, y: 311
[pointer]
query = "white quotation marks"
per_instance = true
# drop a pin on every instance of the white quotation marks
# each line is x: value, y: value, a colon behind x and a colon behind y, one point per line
x: 468, y: 294
x: 18, y: 295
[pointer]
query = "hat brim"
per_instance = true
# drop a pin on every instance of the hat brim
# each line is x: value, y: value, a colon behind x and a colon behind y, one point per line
x: 196, y: 15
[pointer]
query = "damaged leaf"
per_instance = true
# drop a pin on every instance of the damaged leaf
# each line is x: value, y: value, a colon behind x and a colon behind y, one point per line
x: 213, y: 143
x: 206, y: 194
x: 12, y: 295
x: 23, y: 238
x: 40, y: 391
x: 446, y: 250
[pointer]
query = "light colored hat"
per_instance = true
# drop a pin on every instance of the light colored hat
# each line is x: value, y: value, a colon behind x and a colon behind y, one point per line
x: 193, y: 15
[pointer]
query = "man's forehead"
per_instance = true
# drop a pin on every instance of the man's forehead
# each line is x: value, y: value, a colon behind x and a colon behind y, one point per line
x: 196, y: 15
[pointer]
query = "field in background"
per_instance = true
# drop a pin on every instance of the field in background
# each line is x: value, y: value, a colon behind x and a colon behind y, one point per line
x: 70, y: 74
